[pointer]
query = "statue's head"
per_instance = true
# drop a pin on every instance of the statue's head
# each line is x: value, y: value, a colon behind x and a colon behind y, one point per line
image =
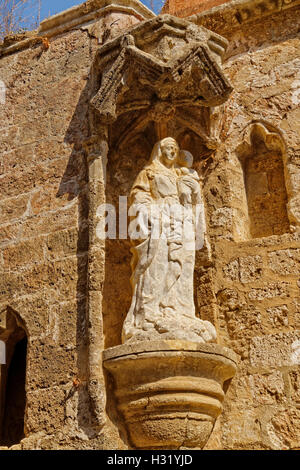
x: 166, y: 151
x: 185, y: 159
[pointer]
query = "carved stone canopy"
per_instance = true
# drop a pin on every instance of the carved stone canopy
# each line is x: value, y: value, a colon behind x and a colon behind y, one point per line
x: 165, y: 68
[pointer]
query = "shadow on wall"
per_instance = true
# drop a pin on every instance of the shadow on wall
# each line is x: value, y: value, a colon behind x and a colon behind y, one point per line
x: 74, y: 184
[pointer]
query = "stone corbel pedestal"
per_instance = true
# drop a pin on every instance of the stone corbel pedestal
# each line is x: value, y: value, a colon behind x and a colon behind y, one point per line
x: 169, y: 392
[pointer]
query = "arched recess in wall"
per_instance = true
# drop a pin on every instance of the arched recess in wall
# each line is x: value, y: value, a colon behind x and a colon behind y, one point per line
x: 262, y: 154
x: 12, y: 378
x: 131, y: 143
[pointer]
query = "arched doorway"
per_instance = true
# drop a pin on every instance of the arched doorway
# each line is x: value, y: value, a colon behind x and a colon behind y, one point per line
x: 12, y: 381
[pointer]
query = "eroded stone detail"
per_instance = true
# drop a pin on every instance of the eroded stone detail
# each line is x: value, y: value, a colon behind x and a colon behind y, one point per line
x: 175, y: 403
x: 165, y: 76
x: 166, y: 68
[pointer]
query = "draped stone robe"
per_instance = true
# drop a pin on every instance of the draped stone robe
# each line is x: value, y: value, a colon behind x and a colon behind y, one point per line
x: 164, y: 257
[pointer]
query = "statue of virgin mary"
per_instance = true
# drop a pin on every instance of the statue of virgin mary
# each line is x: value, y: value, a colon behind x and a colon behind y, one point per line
x: 162, y: 232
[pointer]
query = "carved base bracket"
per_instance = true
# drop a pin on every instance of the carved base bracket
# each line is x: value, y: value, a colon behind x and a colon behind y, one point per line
x: 169, y: 393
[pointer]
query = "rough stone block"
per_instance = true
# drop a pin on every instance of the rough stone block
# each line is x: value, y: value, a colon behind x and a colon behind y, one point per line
x: 270, y: 291
x: 29, y: 252
x: 278, y: 316
x: 285, y: 426
x: 267, y: 389
x: 67, y: 323
x: 222, y: 217
x: 49, y: 364
x: 15, y: 208
x: 242, y: 429
x: 45, y: 410
x: 50, y: 222
x: 68, y: 242
x: 285, y: 262
x: 250, y: 268
x: 34, y: 309
x: 245, y: 269
x: 294, y: 378
x: 231, y: 270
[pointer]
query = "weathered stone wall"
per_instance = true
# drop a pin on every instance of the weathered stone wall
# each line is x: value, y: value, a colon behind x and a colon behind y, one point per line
x: 256, y: 278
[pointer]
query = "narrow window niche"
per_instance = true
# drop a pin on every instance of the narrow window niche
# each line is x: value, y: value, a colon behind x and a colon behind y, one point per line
x: 12, y: 379
x: 262, y: 156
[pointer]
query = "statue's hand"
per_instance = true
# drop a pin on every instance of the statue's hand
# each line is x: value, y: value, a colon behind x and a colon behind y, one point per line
x: 189, y: 191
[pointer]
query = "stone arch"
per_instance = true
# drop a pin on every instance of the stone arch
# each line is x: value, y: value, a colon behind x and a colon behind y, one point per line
x: 263, y: 158
x: 13, y: 333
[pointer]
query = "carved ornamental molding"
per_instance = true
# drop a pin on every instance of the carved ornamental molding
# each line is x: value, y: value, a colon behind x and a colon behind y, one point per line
x: 235, y: 14
x: 165, y: 68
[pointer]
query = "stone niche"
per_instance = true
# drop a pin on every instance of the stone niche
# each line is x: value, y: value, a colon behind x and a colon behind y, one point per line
x: 170, y: 393
x: 159, y: 80
x: 270, y: 193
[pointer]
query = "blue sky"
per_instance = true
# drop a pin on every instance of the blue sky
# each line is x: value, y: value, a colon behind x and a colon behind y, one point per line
x: 51, y: 7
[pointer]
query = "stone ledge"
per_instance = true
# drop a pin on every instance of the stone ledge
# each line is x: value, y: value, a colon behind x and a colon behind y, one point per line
x: 169, y: 393
x: 80, y: 12
x: 77, y: 17
x: 236, y: 13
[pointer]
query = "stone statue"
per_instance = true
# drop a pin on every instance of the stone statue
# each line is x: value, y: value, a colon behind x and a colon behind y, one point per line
x: 163, y: 203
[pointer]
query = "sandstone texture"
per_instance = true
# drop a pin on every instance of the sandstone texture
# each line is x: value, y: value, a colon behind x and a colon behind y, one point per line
x: 173, y: 405
x: 64, y: 294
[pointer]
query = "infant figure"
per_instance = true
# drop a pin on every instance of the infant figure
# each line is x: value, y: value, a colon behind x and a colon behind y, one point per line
x: 188, y: 182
